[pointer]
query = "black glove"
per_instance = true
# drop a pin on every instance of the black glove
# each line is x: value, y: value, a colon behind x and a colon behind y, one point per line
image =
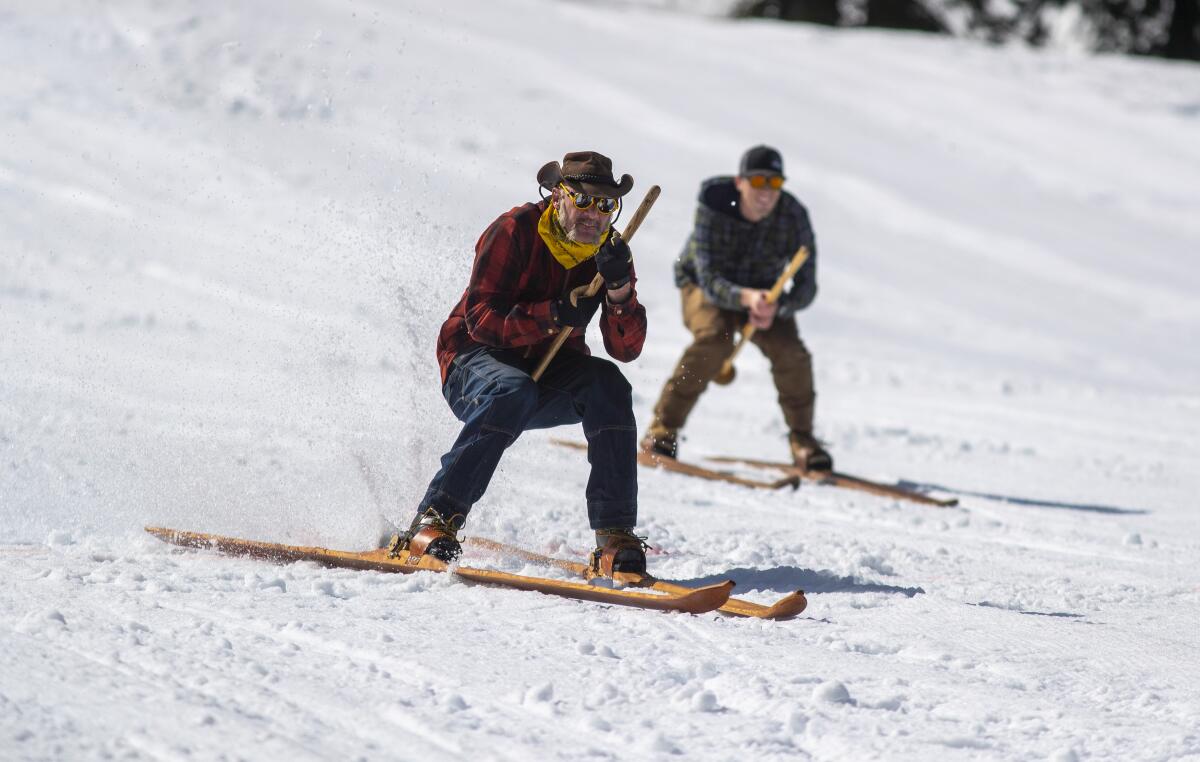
x: 576, y: 315
x: 614, y: 261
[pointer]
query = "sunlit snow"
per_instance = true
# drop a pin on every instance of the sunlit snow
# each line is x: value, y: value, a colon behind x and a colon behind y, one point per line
x: 230, y: 232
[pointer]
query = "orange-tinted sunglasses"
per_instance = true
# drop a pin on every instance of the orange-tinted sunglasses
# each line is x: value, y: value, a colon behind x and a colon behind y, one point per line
x: 584, y: 201
x: 774, y: 182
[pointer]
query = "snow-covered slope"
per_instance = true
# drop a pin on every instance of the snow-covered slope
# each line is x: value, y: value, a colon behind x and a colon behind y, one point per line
x: 230, y: 233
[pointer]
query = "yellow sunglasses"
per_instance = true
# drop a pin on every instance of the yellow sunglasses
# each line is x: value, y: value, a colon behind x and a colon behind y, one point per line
x: 774, y: 182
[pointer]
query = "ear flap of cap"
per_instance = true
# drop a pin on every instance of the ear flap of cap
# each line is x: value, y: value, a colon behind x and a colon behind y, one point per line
x: 549, y: 175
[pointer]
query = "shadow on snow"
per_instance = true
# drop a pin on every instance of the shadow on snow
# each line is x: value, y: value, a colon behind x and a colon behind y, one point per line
x: 1061, y: 614
x: 787, y: 579
x: 1089, y: 507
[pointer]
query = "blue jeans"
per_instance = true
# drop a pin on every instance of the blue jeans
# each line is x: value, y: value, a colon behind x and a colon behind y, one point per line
x: 490, y: 390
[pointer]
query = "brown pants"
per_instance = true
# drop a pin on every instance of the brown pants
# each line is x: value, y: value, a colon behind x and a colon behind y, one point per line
x: 712, y: 330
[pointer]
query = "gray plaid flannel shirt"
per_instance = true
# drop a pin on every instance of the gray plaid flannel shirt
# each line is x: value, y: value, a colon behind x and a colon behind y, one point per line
x: 726, y: 253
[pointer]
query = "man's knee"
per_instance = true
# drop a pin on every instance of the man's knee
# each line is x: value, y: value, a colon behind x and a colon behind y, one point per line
x: 510, y: 404
x: 710, y: 347
x: 611, y: 382
x: 792, y: 359
x: 783, y: 347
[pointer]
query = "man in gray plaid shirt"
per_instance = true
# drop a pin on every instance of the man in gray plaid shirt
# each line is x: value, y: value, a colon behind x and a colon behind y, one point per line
x: 747, y: 230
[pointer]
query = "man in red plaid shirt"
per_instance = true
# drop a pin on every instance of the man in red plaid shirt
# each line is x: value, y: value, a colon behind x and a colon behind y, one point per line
x: 517, y: 302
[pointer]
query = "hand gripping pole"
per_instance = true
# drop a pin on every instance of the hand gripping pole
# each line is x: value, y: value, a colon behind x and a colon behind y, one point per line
x: 727, y: 372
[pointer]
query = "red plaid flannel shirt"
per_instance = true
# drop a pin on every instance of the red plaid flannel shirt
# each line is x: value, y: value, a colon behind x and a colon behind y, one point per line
x: 514, y: 282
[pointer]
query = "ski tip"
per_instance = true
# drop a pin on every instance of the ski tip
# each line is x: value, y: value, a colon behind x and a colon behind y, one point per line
x: 180, y: 537
x: 161, y: 533
x: 705, y: 599
x: 787, y: 607
x: 792, y: 481
x: 725, y: 585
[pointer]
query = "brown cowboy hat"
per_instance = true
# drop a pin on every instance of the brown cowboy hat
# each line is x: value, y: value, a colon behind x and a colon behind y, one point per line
x: 585, y: 172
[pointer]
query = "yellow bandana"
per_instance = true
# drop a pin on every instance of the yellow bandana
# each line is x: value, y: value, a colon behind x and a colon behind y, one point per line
x: 568, y: 253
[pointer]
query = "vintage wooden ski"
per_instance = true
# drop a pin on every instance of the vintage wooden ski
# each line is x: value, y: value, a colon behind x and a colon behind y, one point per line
x: 788, y: 606
x: 792, y: 476
x: 838, y: 479
x: 697, y: 601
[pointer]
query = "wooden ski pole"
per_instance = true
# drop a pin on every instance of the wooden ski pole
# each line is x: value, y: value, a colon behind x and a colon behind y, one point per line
x: 727, y: 372
x: 597, y: 283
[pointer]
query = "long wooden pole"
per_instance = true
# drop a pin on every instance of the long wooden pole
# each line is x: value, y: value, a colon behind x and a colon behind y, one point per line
x: 598, y: 282
x: 727, y: 371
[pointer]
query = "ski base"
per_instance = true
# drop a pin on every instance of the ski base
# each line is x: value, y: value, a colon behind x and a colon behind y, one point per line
x: 788, y: 606
x: 693, y: 601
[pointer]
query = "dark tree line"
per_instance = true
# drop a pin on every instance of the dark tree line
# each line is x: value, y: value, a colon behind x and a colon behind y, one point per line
x: 1169, y: 28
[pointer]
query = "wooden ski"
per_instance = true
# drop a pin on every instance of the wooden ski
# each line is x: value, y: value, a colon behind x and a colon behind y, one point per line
x: 792, y: 476
x: 650, y: 460
x: 837, y: 479
x: 697, y: 601
x: 788, y: 606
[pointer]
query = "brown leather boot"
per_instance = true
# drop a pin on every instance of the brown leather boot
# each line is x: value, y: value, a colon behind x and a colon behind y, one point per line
x: 431, y: 534
x: 663, y: 444
x: 808, y: 454
x: 618, y: 550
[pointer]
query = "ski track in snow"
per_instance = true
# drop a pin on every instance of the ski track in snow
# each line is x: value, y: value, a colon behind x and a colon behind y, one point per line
x: 231, y: 234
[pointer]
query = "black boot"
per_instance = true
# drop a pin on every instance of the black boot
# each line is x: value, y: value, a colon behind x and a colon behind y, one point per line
x: 808, y: 454
x: 662, y: 444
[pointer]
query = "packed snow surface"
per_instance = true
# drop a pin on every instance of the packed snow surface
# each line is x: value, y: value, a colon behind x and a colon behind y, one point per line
x: 230, y: 232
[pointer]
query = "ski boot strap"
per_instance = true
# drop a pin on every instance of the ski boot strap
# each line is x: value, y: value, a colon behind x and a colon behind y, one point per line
x: 616, y: 542
x: 424, y: 532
